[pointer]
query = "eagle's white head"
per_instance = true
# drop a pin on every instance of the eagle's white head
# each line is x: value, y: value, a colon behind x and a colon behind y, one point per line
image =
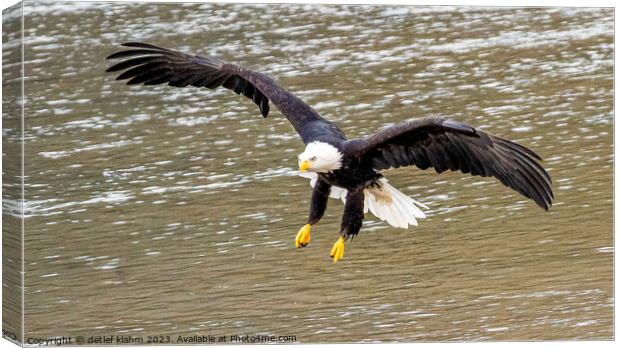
x: 320, y: 157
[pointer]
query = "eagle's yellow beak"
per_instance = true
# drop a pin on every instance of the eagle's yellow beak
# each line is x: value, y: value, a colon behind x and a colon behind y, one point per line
x: 304, y: 166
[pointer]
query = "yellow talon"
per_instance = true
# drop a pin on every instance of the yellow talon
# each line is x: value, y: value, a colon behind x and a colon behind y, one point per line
x: 303, y: 236
x: 337, y: 251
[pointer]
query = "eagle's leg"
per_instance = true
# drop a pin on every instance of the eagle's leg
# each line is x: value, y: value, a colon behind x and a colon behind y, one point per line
x: 320, y: 194
x: 351, y: 221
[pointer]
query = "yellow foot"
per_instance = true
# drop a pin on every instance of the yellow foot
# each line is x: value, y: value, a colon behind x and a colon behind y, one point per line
x: 303, y: 236
x: 337, y: 250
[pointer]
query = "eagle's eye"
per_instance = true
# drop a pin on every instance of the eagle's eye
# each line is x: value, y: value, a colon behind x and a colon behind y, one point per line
x: 313, y: 159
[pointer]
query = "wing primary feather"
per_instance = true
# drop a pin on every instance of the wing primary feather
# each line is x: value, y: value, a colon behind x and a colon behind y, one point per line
x: 526, y: 154
x: 158, y: 80
x: 203, y: 80
x: 239, y: 87
x: 182, y: 79
x: 130, y: 73
x: 217, y: 81
x: 131, y: 53
x: 517, y: 147
x: 536, y: 179
x: 141, y: 69
x: 192, y: 79
x: 248, y: 90
x: 533, y: 192
x: 149, y: 75
x: 264, y: 106
x: 460, y: 156
x: 144, y: 45
x: 133, y: 62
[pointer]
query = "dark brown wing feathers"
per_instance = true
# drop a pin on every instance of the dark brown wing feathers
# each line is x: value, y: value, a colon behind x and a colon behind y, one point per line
x: 153, y: 65
x: 449, y: 145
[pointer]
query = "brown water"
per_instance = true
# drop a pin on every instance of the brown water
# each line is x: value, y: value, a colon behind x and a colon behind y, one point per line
x: 162, y: 211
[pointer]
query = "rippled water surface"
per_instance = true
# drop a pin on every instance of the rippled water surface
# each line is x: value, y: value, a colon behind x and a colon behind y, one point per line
x: 163, y: 211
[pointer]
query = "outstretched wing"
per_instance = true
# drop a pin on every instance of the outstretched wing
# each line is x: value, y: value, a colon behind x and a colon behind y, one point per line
x: 152, y: 65
x: 449, y: 145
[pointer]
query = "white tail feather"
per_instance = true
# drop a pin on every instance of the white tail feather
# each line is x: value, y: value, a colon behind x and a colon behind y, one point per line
x: 384, y: 201
x: 390, y: 205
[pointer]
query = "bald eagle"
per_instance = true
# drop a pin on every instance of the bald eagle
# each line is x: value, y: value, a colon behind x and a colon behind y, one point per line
x: 350, y: 170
